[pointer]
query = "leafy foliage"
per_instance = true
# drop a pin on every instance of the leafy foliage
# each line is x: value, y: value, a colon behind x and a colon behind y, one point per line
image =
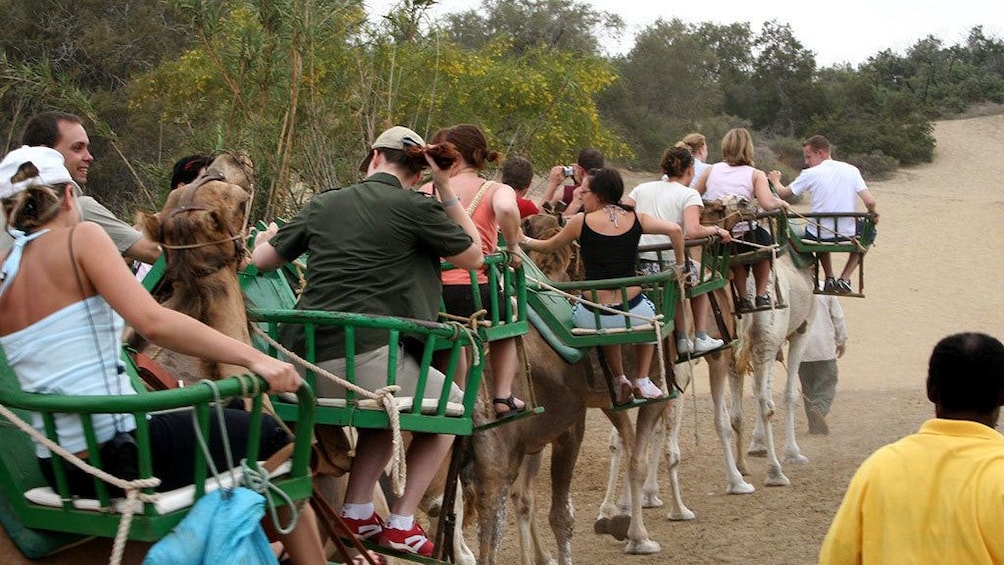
x: 303, y: 86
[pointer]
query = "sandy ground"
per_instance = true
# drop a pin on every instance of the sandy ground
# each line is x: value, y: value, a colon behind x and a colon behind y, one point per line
x: 932, y: 272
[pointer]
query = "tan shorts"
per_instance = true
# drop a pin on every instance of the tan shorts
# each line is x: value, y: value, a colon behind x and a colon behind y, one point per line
x: 371, y: 374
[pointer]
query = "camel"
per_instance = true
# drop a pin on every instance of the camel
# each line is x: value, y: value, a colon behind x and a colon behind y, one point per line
x: 201, y: 229
x: 507, y: 457
x: 761, y: 335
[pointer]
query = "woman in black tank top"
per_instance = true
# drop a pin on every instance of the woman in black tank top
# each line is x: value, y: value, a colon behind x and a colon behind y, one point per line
x: 608, y: 234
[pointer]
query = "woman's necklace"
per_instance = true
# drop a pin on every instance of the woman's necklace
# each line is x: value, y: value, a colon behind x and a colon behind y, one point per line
x: 613, y: 212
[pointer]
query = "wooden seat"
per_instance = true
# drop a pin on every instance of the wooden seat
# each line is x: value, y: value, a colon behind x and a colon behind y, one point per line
x: 551, y: 313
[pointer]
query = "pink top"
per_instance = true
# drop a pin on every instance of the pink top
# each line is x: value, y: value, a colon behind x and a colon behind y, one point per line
x: 488, y: 227
x: 727, y: 180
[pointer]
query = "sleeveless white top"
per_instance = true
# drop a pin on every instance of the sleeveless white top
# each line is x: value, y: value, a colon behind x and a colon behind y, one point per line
x: 73, y: 351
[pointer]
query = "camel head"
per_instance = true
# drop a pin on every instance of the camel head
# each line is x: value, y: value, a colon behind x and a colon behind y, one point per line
x: 557, y: 266
x: 728, y: 211
x: 236, y: 168
x: 201, y: 226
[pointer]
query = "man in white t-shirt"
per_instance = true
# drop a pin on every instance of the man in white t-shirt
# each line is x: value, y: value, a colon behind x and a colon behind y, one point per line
x: 833, y: 185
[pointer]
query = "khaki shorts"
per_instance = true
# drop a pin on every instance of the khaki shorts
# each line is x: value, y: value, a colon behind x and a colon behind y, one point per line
x: 371, y: 374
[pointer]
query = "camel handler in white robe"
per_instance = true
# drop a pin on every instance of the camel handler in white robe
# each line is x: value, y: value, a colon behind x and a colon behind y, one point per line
x: 818, y: 370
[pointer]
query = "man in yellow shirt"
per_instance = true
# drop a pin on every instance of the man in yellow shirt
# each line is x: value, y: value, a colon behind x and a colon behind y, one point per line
x: 936, y: 496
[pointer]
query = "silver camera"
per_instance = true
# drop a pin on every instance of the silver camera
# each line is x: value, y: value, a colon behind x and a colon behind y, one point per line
x: 569, y: 170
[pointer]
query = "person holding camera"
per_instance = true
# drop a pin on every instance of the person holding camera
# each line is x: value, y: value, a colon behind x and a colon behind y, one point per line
x: 563, y: 198
x: 361, y: 239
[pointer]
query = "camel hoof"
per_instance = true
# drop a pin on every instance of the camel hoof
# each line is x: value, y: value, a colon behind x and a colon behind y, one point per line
x: 681, y: 514
x: 776, y: 478
x: 795, y: 459
x: 651, y: 500
x: 601, y: 526
x: 741, y: 487
x: 757, y: 451
x: 643, y: 547
x: 616, y: 526
x: 743, y: 469
x: 619, y: 525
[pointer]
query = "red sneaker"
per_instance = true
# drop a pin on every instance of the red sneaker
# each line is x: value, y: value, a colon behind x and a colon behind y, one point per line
x: 367, y: 528
x: 412, y: 541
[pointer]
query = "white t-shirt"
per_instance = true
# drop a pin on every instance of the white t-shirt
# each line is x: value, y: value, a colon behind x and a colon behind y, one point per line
x: 665, y: 201
x: 834, y: 186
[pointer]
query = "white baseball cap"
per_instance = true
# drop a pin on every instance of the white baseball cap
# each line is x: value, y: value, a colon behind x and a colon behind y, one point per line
x: 49, y: 163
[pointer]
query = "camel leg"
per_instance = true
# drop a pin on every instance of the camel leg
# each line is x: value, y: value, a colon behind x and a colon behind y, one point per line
x: 796, y: 348
x: 660, y: 438
x: 462, y: 553
x: 564, y: 453
x: 495, y: 470
x: 638, y: 540
x: 735, y: 420
x: 763, y: 380
x: 673, y: 418
x: 726, y: 424
x: 531, y: 549
x: 610, y: 520
x: 615, y: 519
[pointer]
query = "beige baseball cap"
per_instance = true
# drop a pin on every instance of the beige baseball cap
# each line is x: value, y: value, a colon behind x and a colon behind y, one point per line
x: 397, y: 137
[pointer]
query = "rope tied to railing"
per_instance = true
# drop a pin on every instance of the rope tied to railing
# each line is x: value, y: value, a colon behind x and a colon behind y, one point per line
x: 258, y: 481
x: 384, y: 395
x: 133, y: 488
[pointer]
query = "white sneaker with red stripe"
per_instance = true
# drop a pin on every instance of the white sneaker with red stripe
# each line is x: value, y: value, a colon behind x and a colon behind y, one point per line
x: 412, y: 541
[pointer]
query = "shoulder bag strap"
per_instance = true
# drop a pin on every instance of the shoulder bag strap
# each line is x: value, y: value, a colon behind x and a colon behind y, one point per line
x: 477, y: 197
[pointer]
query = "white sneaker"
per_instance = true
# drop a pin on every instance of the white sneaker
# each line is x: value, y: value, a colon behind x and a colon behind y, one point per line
x: 684, y: 346
x: 706, y: 343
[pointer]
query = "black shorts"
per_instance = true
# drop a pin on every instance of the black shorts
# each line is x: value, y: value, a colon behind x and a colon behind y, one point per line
x: 459, y: 300
x: 173, y: 446
x: 757, y: 235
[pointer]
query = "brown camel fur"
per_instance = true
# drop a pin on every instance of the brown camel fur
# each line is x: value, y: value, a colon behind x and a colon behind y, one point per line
x: 507, y: 457
x: 200, y: 229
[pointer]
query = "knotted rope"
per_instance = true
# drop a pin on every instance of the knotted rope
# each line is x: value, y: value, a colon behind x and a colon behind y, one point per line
x: 133, y: 488
x: 385, y: 395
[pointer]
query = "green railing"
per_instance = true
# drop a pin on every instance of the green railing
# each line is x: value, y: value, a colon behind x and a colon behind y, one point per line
x: 714, y: 263
x: 507, y: 317
x: 430, y: 411
x: 19, y: 471
x: 555, y: 308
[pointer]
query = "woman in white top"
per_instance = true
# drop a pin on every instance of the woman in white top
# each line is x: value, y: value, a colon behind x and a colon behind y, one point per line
x: 736, y: 175
x: 697, y: 144
x: 62, y: 270
x: 673, y: 200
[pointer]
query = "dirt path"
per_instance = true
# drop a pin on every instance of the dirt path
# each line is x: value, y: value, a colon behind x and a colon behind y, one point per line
x: 932, y: 272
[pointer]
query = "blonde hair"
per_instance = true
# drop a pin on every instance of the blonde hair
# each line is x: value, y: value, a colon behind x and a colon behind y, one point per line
x: 737, y: 147
x: 34, y: 206
x: 693, y: 142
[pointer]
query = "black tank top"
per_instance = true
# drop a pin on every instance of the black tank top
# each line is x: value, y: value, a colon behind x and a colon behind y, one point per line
x: 610, y: 256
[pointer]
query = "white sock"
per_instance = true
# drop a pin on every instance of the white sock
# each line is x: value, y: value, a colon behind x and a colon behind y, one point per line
x: 701, y: 335
x: 357, y: 511
x: 399, y: 522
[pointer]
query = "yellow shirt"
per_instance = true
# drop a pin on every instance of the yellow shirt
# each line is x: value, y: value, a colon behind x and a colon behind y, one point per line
x: 936, y: 496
